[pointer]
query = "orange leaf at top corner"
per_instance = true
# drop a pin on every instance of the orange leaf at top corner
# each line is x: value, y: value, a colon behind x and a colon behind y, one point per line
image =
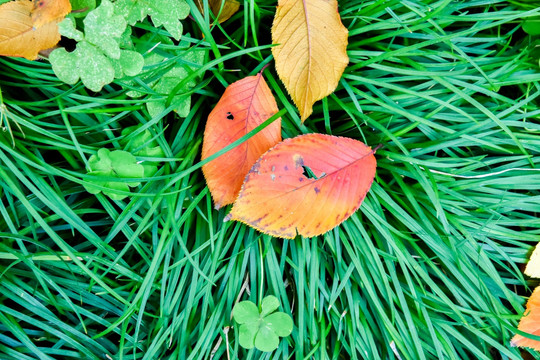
x: 243, y: 106
x: 18, y: 35
x: 306, y: 185
x: 46, y: 11
x: 530, y: 323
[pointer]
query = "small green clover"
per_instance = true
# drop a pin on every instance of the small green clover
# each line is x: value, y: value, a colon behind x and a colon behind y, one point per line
x: 143, y: 144
x: 261, y: 329
x: 113, y: 164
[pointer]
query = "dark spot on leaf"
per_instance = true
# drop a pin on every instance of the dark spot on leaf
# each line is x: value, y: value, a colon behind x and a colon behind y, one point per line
x: 300, y: 179
x: 318, y: 226
x: 286, y: 168
x: 317, y: 190
x: 230, y: 116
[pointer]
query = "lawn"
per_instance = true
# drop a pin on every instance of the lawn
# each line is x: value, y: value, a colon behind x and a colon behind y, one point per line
x: 429, y: 267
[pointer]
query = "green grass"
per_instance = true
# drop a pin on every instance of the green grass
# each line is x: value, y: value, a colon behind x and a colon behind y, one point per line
x: 430, y: 267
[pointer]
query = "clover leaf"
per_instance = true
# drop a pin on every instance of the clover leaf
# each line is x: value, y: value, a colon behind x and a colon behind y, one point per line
x: 178, y: 65
x: 163, y: 12
x: 142, y: 144
x: 101, y: 53
x: 261, y: 329
x: 113, y: 164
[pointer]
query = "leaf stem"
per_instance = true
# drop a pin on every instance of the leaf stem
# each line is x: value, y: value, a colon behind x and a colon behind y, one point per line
x: 262, y: 275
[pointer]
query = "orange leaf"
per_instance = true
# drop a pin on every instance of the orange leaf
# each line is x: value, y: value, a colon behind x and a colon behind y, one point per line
x: 311, y: 55
x: 530, y: 323
x: 244, y: 105
x: 46, y: 11
x: 280, y: 198
x: 18, y: 34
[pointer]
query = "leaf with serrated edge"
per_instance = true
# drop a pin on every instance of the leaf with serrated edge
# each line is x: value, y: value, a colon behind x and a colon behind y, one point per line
x: 18, y: 37
x: 530, y: 323
x: 245, y: 104
x: 311, y: 52
x: 278, y: 199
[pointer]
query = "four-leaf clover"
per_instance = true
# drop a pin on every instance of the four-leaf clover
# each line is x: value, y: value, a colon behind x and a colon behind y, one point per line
x: 261, y: 329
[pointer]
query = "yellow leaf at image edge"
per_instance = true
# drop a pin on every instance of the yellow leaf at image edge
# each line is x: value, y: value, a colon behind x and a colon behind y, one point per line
x: 18, y: 37
x: 311, y: 55
x: 533, y: 266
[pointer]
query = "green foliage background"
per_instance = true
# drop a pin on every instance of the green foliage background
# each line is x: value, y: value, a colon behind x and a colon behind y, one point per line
x: 428, y: 268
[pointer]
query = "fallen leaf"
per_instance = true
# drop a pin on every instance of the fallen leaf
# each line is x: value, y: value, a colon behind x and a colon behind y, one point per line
x: 229, y: 8
x: 530, y: 323
x: 308, y: 184
x: 46, y: 11
x: 19, y: 37
x: 244, y: 105
x: 533, y: 266
x: 311, y: 55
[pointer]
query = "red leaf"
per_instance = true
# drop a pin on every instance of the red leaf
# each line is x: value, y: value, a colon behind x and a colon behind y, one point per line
x: 245, y: 104
x: 280, y: 198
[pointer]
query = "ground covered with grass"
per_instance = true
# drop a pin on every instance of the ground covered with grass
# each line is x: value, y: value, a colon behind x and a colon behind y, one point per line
x: 430, y: 267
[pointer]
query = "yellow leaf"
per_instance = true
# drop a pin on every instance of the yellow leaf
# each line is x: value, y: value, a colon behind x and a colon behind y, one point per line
x: 228, y: 10
x: 311, y: 54
x: 46, y: 11
x: 19, y: 37
x: 533, y: 266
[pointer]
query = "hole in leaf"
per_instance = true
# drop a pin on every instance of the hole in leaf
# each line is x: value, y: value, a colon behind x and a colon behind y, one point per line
x: 310, y: 174
x: 230, y: 116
